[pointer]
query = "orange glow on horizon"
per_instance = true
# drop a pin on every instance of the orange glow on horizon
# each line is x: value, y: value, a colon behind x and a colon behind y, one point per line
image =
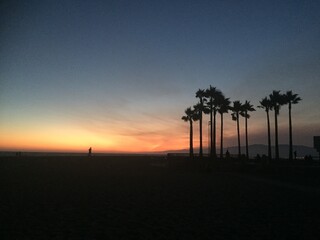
x: 122, y: 137
x: 75, y: 140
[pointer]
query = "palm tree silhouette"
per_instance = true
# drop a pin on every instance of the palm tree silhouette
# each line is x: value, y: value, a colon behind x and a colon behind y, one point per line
x: 197, y: 115
x: 265, y: 104
x: 237, y: 109
x: 201, y: 108
x: 277, y: 100
x: 290, y: 99
x: 223, y: 107
x: 212, y: 94
x: 246, y: 107
x: 189, y: 117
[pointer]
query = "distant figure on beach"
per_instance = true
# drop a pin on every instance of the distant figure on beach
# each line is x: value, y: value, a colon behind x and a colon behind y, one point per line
x: 295, y: 155
x: 227, y: 154
x: 90, y: 150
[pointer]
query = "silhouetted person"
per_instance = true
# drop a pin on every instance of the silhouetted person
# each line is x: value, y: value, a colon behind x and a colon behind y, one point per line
x: 90, y: 150
x: 258, y: 158
x: 295, y: 155
x: 227, y: 154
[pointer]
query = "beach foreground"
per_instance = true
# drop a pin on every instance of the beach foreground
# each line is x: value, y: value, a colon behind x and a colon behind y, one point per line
x: 147, y: 198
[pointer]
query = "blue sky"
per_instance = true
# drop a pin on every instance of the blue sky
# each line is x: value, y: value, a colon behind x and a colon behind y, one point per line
x: 126, y: 70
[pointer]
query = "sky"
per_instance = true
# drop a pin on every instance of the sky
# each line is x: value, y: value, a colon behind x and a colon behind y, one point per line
x: 117, y: 75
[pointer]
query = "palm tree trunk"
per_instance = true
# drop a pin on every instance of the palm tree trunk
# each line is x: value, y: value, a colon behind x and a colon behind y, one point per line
x: 290, y: 133
x: 238, y: 131
x: 247, y: 148
x: 221, y: 137
x: 211, y: 141
x: 269, y: 137
x: 191, y: 140
x: 276, y: 134
x: 201, y: 151
x: 214, y: 134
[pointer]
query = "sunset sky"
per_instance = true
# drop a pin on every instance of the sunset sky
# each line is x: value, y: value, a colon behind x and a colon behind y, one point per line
x: 118, y: 75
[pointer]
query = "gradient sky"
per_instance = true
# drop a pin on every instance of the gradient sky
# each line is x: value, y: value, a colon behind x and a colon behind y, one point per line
x: 117, y: 75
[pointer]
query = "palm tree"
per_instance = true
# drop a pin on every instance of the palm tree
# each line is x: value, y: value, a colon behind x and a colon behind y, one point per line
x: 277, y: 100
x: 198, y: 109
x: 212, y: 94
x: 290, y: 99
x: 236, y: 110
x: 265, y: 104
x: 209, y: 95
x: 224, y: 106
x: 189, y: 117
x: 247, y: 107
x: 200, y: 94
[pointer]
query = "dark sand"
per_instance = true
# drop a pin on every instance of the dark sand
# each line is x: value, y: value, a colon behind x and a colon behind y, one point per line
x: 146, y: 198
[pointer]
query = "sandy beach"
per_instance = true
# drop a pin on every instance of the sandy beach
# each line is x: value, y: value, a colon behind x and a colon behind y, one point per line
x: 148, y: 198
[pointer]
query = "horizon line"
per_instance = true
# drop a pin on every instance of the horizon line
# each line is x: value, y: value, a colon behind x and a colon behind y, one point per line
x: 129, y: 152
